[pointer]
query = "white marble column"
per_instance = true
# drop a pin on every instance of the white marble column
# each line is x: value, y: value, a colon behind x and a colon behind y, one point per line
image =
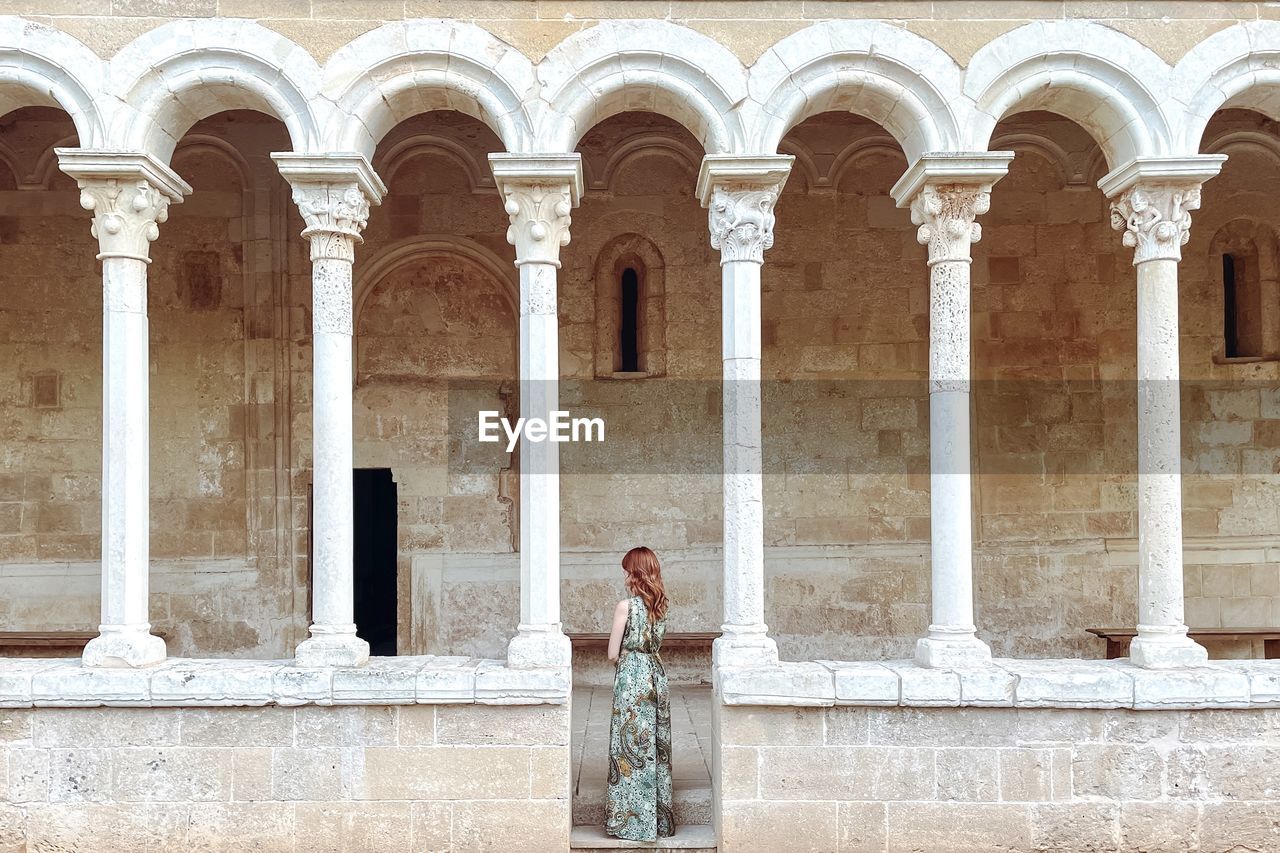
x: 538, y: 193
x: 1152, y: 200
x: 129, y: 195
x: 739, y: 194
x: 333, y: 193
x: 946, y: 192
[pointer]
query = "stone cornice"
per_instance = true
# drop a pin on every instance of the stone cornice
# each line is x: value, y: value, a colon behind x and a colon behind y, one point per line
x: 339, y: 168
x: 539, y: 192
x: 1174, y: 170
x: 971, y: 168
x: 128, y: 192
x: 759, y: 172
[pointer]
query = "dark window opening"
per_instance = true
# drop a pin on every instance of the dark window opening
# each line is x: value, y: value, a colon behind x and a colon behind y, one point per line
x: 1230, y: 312
x: 375, y: 595
x: 630, y: 332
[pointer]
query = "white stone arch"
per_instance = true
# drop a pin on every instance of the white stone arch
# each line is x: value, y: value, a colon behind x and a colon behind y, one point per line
x: 654, y: 66
x: 901, y: 81
x: 1108, y: 83
x: 44, y: 67
x: 1235, y: 67
x: 177, y: 74
x: 406, y: 68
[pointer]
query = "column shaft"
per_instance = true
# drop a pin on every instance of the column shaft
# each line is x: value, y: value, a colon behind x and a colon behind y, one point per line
x: 1162, y: 627
x: 125, y: 632
x: 333, y: 640
x: 950, y: 480
x: 743, y: 453
x: 331, y: 417
x: 539, y: 460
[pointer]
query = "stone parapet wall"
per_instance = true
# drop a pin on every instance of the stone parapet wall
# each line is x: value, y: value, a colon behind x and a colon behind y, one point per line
x: 371, y: 777
x: 178, y: 682
x: 984, y: 779
x: 1005, y: 683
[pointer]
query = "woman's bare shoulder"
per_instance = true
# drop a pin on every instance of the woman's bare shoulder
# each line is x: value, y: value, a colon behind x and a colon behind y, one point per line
x: 623, y: 606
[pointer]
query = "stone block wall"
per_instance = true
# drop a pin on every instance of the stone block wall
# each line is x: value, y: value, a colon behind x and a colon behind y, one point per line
x: 984, y: 779
x: 387, y: 778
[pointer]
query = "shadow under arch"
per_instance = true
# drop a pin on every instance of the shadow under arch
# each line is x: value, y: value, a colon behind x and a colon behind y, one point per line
x: 413, y: 250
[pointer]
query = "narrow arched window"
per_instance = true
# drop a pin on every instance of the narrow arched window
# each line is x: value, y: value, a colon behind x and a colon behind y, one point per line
x: 1230, y: 311
x: 629, y: 328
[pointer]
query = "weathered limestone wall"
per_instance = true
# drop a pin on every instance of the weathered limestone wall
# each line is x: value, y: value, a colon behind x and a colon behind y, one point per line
x: 746, y: 27
x: 959, y: 779
x: 408, y: 778
x: 50, y: 335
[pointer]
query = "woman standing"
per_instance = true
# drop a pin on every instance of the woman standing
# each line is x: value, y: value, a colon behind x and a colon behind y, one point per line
x: 638, y: 801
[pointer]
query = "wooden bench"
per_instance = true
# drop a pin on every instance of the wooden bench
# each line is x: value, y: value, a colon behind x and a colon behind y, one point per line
x: 1118, y: 638
x: 672, y: 640
x: 44, y: 644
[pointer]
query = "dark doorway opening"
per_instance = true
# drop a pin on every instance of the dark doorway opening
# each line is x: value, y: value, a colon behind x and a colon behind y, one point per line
x: 376, y: 594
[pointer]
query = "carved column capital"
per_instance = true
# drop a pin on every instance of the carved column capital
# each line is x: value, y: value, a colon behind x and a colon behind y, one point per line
x: 540, y: 220
x: 538, y: 193
x: 1152, y: 199
x: 129, y: 194
x: 333, y: 192
x: 946, y: 214
x: 740, y: 193
x: 1155, y: 219
x: 741, y: 222
x: 335, y: 216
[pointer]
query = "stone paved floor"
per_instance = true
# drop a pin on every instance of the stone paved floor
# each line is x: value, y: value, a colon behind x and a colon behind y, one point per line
x: 691, y: 752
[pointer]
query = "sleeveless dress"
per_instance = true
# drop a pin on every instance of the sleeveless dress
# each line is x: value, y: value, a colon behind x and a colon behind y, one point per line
x: 638, y: 799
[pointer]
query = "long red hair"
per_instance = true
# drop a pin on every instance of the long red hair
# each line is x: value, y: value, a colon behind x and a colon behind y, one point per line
x: 644, y: 578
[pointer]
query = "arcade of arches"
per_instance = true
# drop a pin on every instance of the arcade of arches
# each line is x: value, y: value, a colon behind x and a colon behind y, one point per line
x: 924, y: 345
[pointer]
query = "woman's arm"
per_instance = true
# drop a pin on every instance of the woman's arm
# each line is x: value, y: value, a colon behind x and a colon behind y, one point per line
x: 619, y: 625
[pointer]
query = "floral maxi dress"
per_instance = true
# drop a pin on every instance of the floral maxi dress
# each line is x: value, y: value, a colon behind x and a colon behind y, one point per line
x: 638, y: 800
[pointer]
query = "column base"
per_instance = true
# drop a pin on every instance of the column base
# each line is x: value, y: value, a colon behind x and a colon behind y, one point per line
x: 124, y: 647
x: 336, y: 649
x: 538, y: 647
x: 960, y: 652
x: 736, y: 647
x: 1163, y: 650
